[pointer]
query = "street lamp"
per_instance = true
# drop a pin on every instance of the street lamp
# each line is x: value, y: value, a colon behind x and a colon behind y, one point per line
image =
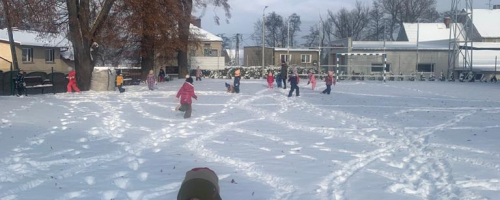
x: 288, y: 51
x: 263, y: 38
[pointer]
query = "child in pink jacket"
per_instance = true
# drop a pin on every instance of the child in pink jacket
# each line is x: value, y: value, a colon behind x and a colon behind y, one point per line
x: 270, y: 80
x: 312, y: 80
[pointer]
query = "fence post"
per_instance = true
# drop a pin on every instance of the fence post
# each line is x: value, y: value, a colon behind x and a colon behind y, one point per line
x: 385, y: 66
x: 11, y: 81
x: 337, y: 68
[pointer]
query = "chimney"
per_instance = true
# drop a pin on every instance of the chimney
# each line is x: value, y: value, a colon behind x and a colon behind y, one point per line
x: 447, y: 22
x: 196, y: 22
x: 496, y: 7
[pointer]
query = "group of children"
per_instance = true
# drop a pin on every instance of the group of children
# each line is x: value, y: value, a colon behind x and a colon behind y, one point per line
x: 294, y: 80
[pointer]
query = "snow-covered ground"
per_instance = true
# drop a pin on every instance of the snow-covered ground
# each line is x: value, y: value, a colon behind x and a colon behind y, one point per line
x: 368, y: 140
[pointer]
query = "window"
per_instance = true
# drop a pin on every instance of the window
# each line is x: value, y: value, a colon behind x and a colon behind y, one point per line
x: 49, y: 55
x: 211, y: 53
x: 380, y: 67
x: 306, y: 58
x: 207, y: 46
x: 425, y: 68
x: 285, y: 57
x: 27, y: 54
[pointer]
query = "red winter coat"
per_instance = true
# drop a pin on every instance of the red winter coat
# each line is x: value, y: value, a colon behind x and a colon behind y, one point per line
x: 71, y: 76
x: 270, y: 79
x: 330, y: 81
x: 186, y: 93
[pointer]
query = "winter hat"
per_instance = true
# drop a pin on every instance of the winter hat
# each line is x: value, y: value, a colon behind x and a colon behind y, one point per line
x: 201, y: 183
x: 187, y: 76
x: 237, y: 72
x: 189, y: 80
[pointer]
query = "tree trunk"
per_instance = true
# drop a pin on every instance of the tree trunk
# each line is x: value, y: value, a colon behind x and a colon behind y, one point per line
x: 6, y: 8
x: 83, y: 63
x: 182, y: 57
x: 147, y: 56
x: 81, y: 36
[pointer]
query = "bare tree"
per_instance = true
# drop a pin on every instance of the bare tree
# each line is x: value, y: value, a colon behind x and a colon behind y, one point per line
x: 312, y: 39
x: 351, y: 23
x: 277, y: 30
x: 294, y: 27
x: 408, y: 11
x: 257, y: 34
x: 377, y: 23
x: 274, y: 26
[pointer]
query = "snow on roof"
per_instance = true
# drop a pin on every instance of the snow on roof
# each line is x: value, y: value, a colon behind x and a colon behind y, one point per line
x: 428, y: 31
x: 487, y: 22
x: 286, y: 49
x: 399, y: 45
x: 203, y: 34
x: 32, y: 38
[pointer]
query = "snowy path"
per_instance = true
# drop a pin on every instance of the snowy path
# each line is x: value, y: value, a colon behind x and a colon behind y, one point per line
x: 403, y: 140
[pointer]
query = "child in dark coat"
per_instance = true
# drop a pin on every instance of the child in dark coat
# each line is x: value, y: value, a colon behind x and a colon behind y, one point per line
x: 294, y: 83
x: 278, y: 80
x: 20, y: 85
x: 237, y: 79
x: 186, y: 93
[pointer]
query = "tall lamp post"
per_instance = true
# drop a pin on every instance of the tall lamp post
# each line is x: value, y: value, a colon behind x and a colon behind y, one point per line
x: 288, y: 51
x: 263, y: 39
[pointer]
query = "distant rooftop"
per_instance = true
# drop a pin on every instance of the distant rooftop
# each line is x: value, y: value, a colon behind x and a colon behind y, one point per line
x: 32, y: 38
x: 428, y: 31
x: 487, y: 22
x: 204, y: 35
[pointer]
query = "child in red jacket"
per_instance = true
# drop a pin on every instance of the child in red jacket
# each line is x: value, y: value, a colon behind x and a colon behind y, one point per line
x: 72, y: 80
x: 186, y: 93
x: 270, y: 80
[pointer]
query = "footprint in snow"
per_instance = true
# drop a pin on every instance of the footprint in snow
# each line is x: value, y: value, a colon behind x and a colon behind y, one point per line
x: 122, y: 183
x: 143, y: 176
x: 90, y: 180
x: 110, y: 194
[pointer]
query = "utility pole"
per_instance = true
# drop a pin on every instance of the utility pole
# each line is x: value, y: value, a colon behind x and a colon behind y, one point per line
x: 6, y: 8
x: 418, y: 38
x: 263, y: 39
x: 237, y: 53
x: 288, y: 51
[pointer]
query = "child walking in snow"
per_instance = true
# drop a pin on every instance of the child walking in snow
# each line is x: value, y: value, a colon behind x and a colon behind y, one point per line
x: 72, y: 80
x: 270, y: 80
x: 278, y: 80
x: 312, y: 80
x: 237, y: 79
x: 329, y: 82
x: 119, y: 82
x: 186, y: 93
x: 294, y: 82
x: 151, y: 80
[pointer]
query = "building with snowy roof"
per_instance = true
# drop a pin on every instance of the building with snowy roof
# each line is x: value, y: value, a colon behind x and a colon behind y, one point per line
x: 205, y: 53
x: 35, y: 53
x: 422, y: 47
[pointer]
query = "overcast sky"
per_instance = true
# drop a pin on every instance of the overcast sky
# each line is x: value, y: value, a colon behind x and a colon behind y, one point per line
x: 246, y: 12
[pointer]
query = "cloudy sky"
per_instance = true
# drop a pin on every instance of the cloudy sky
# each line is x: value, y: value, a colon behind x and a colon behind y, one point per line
x: 246, y: 12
